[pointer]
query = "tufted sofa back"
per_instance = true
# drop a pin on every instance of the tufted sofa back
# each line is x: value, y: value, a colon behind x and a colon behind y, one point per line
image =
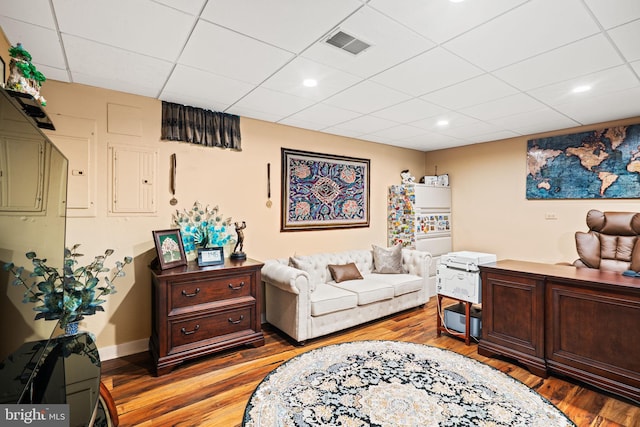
x: 317, y: 264
x: 611, y: 242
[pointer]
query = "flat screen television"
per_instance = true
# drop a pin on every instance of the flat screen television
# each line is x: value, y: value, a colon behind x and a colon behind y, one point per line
x: 33, y: 192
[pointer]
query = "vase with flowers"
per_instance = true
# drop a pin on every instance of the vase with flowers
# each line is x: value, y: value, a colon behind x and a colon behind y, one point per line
x: 71, y: 294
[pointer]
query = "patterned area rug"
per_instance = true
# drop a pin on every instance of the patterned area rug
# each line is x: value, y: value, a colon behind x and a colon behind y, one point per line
x: 391, y: 384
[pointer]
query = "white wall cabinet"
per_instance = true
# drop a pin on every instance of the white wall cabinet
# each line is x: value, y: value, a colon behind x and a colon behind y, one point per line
x: 133, y: 176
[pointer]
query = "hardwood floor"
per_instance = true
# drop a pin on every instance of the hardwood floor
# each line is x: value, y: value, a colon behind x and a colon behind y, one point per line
x: 213, y: 391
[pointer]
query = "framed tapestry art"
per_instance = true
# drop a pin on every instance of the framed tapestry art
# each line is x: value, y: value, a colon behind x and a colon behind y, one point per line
x: 323, y: 191
x: 598, y: 164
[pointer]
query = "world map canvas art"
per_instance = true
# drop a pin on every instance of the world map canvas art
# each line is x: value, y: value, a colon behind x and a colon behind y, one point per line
x: 599, y: 164
x: 322, y: 191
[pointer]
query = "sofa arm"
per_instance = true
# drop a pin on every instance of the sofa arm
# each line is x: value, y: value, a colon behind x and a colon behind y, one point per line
x: 416, y: 262
x: 287, y: 278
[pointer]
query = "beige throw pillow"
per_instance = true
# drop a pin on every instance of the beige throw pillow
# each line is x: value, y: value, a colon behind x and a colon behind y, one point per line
x: 340, y: 273
x: 387, y: 260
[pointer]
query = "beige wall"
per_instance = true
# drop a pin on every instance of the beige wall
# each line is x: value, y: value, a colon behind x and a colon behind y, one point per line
x: 490, y: 209
x: 235, y: 181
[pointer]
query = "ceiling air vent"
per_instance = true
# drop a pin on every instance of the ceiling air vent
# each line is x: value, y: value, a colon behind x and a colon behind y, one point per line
x: 346, y: 42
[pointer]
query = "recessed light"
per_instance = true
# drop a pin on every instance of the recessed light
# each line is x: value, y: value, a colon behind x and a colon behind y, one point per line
x: 310, y: 82
x: 442, y: 122
x: 583, y: 88
x: 456, y: 1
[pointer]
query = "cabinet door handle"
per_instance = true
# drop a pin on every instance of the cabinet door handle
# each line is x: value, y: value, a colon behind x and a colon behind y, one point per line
x: 185, y: 332
x: 235, y: 322
x: 191, y: 295
x: 236, y: 288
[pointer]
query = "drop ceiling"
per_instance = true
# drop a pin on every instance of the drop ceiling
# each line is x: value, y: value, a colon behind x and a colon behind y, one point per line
x: 436, y: 74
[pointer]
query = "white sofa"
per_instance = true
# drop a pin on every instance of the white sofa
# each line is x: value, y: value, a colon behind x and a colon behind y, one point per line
x: 308, y: 303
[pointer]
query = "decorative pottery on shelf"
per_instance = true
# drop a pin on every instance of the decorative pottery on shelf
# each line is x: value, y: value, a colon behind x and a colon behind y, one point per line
x: 71, y: 328
x: 202, y: 228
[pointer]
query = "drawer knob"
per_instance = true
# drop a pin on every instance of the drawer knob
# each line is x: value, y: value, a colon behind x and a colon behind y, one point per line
x: 191, y: 295
x: 185, y: 332
x: 235, y: 322
x: 236, y: 288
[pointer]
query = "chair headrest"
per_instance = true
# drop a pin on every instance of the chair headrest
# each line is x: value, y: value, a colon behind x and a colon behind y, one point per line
x: 614, y: 223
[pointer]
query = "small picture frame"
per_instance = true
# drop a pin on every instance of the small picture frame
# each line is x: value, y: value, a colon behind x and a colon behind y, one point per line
x: 169, y: 248
x: 210, y: 256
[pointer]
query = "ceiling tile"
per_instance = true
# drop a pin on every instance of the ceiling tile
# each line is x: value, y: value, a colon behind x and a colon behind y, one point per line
x: 453, y: 119
x: 474, y: 91
x: 330, y: 80
x: 602, y: 82
x: 276, y: 104
x: 37, y: 12
x: 513, y: 104
x: 610, y: 106
x: 409, y: 111
x: 390, y: 43
x: 575, y: 59
x: 367, y: 124
x: 535, y: 121
x: 531, y: 29
x: 611, y: 14
x: 427, y: 72
x: 398, y: 132
x: 442, y: 20
x: 213, y: 92
x: 321, y: 116
x: 288, y: 24
x: 100, y: 65
x: 366, y: 97
x: 42, y: 43
x: 626, y: 38
x: 142, y: 29
x: 492, y: 68
x: 227, y: 53
x: 493, y: 136
x: 473, y: 129
x: 192, y: 7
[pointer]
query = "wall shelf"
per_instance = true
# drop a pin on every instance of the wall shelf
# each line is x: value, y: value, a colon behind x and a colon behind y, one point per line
x: 33, y: 109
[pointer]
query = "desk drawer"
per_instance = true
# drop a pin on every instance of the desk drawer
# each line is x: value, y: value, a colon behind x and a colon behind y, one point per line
x: 195, y: 292
x: 212, y: 326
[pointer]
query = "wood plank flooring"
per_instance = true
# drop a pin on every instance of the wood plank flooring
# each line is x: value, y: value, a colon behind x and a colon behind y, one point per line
x: 214, y: 390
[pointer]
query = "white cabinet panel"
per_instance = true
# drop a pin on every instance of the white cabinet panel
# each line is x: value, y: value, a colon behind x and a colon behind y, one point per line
x: 22, y: 188
x: 133, y: 172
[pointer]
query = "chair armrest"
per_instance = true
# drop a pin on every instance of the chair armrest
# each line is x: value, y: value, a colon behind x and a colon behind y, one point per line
x: 287, y: 278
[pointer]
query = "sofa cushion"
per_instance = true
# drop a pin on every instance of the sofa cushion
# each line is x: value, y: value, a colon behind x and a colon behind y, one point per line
x: 340, y: 273
x: 387, y: 260
x: 401, y: 283
x: 368, y: 291
x: 329, y: 299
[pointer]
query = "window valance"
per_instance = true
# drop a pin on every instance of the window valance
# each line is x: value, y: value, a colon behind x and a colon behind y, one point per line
x: 200, y: 126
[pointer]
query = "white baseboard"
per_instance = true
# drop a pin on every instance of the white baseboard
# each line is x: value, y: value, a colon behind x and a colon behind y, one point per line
x: 120, y: 350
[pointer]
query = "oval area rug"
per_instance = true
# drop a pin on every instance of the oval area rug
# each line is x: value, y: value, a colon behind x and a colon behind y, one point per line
x: 391, y: 384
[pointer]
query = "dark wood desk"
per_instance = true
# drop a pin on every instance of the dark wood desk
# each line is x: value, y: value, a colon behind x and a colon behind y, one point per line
x: 577, y: 322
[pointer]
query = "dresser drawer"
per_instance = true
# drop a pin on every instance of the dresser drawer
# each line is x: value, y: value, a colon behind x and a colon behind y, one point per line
x: 195, y: 292
x: 212, y: 326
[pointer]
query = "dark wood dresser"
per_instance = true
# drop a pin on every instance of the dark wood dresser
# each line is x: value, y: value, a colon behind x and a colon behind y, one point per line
x: 202, y: 310
x: 579, y: 322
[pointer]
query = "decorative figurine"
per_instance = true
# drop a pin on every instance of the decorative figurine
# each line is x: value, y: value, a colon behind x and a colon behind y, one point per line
x: 237, y: 251
x: 407, y: 178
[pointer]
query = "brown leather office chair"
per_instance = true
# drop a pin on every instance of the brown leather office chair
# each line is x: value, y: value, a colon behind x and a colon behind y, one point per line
x: 611, y: 242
